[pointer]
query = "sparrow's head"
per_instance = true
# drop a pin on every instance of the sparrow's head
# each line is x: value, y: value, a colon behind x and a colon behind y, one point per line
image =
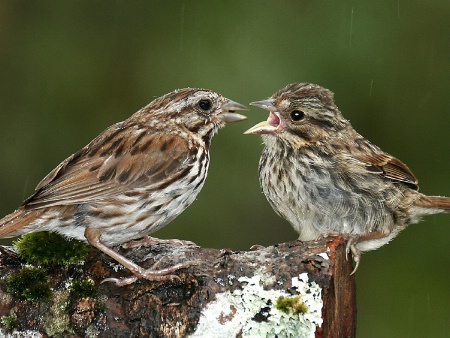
x: 299, y: 114
x: 200, y: 111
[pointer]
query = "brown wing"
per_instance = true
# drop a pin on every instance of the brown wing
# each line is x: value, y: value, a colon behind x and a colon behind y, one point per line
x: 117, y: 160
x: 378, y: 162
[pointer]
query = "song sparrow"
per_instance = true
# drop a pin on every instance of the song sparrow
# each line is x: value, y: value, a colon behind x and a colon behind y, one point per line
x: 323, y: 177
x: 132, y: 179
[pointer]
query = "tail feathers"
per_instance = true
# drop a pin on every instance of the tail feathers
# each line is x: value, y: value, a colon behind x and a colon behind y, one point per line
x: 434, y: 202
x: 14, y: 221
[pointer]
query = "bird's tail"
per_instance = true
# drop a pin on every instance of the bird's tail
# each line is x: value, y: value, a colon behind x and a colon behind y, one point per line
x: 439, y: 203
x: 14, y: 221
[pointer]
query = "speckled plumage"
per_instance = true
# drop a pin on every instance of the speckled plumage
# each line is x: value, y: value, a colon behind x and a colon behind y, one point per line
x: 132, y: 179
x: 323, y: 177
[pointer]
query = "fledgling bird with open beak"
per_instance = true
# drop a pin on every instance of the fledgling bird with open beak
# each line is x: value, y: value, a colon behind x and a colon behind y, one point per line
x: 325, y: 179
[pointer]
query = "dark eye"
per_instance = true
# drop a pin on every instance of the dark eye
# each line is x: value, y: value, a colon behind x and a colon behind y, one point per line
x: 297, y: 115
x: 205, y: 104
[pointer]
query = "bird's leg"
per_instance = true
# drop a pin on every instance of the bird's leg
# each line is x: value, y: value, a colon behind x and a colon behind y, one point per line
x: 356, y: 253
x: 93, y: 237
x: 147, y: 241
x: 352, y: 241
x: 355, y: 239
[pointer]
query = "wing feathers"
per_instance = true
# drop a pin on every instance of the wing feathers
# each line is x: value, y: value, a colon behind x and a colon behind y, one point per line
x: 378, y: 162
x: 138, y: 158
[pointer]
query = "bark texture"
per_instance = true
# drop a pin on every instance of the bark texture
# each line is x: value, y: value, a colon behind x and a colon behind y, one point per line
x: 266, y: 291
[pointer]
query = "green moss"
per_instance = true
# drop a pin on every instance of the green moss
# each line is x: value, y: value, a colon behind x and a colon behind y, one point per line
x: 291, y: 305
x: 10, y: 322
x: 82, y: 288
x: 29, y: 284
x: 51, y: 248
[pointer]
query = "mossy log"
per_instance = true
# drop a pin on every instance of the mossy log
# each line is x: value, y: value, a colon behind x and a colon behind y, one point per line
x: 291, y: 289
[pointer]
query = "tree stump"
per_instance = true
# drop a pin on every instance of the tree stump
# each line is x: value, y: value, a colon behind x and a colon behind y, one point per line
x: 291, y: 289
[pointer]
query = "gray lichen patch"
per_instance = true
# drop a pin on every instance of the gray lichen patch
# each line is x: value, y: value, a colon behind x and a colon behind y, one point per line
x: 57, y: 321
x: 252, y: 312
x: 21, y: 334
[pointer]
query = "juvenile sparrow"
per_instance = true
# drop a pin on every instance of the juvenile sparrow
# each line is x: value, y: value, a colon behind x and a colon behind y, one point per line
x: 324, y: 178
x: 132, y: 179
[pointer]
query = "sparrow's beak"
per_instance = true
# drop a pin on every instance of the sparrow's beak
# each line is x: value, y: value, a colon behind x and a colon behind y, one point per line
x: 228, y: 114
x: 273, y: 121
x: 265, y: 104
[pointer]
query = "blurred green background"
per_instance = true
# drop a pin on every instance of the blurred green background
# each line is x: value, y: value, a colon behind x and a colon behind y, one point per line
x: 69, y: 69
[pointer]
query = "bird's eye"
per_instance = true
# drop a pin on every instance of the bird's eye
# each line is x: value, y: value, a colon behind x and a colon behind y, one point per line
x: 297, y: 115
x: 205, y: 104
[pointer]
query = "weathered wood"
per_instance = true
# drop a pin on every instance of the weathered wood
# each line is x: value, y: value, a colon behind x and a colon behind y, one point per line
x: 227, y: 294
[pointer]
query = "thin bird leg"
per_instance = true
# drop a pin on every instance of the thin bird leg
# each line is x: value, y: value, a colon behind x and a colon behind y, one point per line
x: 352, y: 240
x: 355, y: 239
x: 147, y: 241
x: 356, y: 254
x: 93, y: 237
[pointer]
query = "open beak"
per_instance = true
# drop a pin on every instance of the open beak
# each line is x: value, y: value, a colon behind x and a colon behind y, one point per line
x: 271, y: 125
x: 228, y: 112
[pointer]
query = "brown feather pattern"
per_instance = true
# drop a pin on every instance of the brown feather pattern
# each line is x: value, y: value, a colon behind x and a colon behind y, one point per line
x: 324, y: 178
x: 132, y: 179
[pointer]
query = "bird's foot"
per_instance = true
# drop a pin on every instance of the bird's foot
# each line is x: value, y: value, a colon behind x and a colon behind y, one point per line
x: 162, y: 275
x: 149, y: 241
x: 352, y: 240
